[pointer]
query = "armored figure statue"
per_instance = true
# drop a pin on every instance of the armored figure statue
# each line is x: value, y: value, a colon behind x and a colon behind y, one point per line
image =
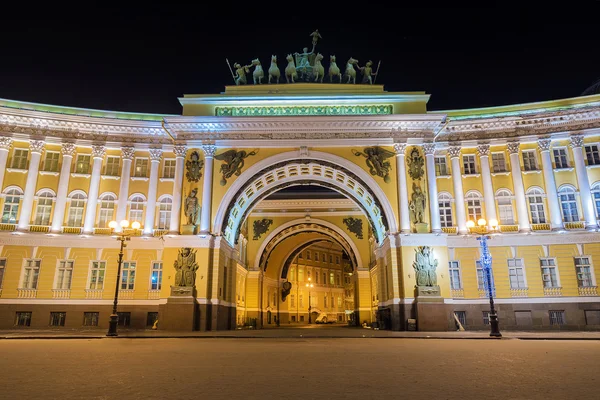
x: 417, y: 204
x: 240, y: 73
x: 367, y: 72
x: 191, y: 207
x: 186, y: 267
x: 425, y: 266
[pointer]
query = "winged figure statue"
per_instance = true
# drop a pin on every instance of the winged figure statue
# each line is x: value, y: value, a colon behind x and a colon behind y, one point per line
x: 233, y: 162
x: 377, y: 161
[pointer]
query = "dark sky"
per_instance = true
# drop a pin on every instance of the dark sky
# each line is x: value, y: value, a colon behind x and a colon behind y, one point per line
x: 140, y: 57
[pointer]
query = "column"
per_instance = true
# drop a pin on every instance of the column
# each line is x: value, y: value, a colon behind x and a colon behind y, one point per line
x: 36, y: 147
x: 58, y: 217
x: 517, y: 178
x: 459, y: 196
x: 434, y: 206
x: 127, y: 154
x: 209, y: 152
x: 585, y: 194
x: 483, y: 150
x: 180, y: 152
x: 404, y: 216
x: 556, y: 221
x: 5, y: 144
x: 89, y: 221
x: 155, y: 156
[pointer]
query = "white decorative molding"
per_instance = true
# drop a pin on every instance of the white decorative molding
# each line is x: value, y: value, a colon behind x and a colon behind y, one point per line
x: 429, y: 148
x: 454, y: 151
x: 544, y: 144
x: 483, y: 150
x: 78, y: 175
x: 180, y: 150
x: 513, y: 147
x: 127, y: 153
x: 471, y: 175
x: 5, y: 143
x: 140, y: 178
x: 50, y: 173
x: 531, y: 171
x: 36, y: 146
x: 576, y: 141
x: 110, y: 177
x: 68, y: 149
x: 155, y: 154
x: 400, y: 148
x: 98, y: 151
x: 166, y: 179
x: 19, y: 170
x: 209, y: 150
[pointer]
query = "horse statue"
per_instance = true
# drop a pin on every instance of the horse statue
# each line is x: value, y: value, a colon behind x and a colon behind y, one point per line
x: 318, y: 69
x: 290, y: 70
x: 258, y: 73
x: 274, y: 69
x: 334, y: 70
x: 350, y: 71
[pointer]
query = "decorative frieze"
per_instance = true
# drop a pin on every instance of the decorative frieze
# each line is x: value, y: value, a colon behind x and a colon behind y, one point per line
x: 155, y: 154
x: 68, y: 149
x: 483, y: 150
x: 37, y: 146
x: 544, y: 144
x: 5, y: 143
x: 256, y: 111
x: 127, y: 153
x: 98, y: 151
x: 576, y: 141
x: 513, y: 147
x: 454, y: 151
x: 429, y: 149
x: 180, y: 151
x: 209, y: 150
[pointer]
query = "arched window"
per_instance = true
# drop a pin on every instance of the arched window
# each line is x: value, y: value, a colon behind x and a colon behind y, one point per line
x: 107, y: 209
x: 535, y: 196
x: 136, y: 208
x: 44, y: 207
x: 568, y: 204
x: 473, y: 206
x: 10, y: 210
x: 596, y: 196
x: 164, y: 213
x: 505, y: 207
x: 76, y: 209
x: 445, y: 206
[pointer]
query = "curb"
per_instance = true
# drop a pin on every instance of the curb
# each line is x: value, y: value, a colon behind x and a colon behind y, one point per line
x: 289, y: 337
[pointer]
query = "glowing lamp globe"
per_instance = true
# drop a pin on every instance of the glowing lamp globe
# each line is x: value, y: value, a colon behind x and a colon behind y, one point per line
x: 494, y: 223
x: 470, y: 224
x: 124, y: 223
x: 135, y: 225
x: 481, y: 222
x: 112, y: 224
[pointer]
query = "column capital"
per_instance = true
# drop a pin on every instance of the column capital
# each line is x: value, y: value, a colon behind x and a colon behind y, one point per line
x: 36, y: 146
x: 399, y: 148
x: 127, y: 153
x: 454, y: 151
x: 68, y: 149
x: 155, y: 154
x: 576, y: 141
x: 209, y: 150
x: 513, y: 147
x: 180, y: 151
x: 429, y: 149
x: 98, y: 151
x: 544, y: 144
x: 5, y: 143
x: 483, y: 150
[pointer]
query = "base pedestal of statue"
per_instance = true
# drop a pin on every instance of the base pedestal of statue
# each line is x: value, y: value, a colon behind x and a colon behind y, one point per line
x: 188, y: 229
x: 421, y: 227
x: 432, y: 313
x: 180, y: 312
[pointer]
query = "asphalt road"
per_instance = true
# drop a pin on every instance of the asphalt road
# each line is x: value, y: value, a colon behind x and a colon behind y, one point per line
x: 206, y: 368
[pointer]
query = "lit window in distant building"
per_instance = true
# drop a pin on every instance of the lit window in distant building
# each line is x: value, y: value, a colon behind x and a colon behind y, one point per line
x: 156, y: 277
x: 128, y: 275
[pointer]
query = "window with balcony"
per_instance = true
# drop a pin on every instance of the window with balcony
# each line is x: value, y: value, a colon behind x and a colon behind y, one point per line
x: 568, y: 204
x: 64, y: 273
x: 19, y: 160
x: 31, y: 272
x: 10, y: 210
x: 445, y: 207
x: 97, y: 272
x: 498, y: 162
x: 51, y: 161
x: 107, y: 210
x: 82, y: 165
x: 535, y: 197
x: 469, y: 164
x: 549, y: 272
x: 441, y: 168
x: 560, y: 158
x: 529, y: 160
x: 592, y: 154
x: 505, y: 207
x: 583, y: 269
x: 76, y: 210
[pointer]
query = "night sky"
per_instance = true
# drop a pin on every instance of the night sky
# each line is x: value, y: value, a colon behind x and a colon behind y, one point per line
x: 142, y: 57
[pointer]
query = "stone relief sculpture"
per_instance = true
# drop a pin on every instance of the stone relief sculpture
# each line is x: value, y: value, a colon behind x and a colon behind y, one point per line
x: 233, y: 163
x: 260, y: 226
x: 274, y: 70
x: 376, y: 161
x: 186, y: 267
x: 425, y: 266
x: 415, y: 164
x: 192, y: 208
x: 354, y: 225
x: 417, y: 205
x: 194, y: 167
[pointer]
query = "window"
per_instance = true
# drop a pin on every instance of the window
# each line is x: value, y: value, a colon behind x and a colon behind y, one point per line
x: 498, y: 162
x: 592, y: 154
x: 51, y: 161
x: 90, y: 318
x: 300, y: 274
x: 583, y: 269
x: 444, y: 204
x: 474, y: 207
x: 596, y: 197
x: 151, y: 318
x: 557, y: 317
x: 44, y: 208
x: 462, y: 317
x: 469, y: 164
x: 307, y: 255
x: 301, y: 301
x: 324, y: 278
x: 76, y: 210
x: 486, y: 317
x: 330, y: 259
x: 64, y: 273
x: 516, y: 273
x: 293, y: 300
x: 331, y: 278
x: 441, y: 169
x: 337, y: 279
x: 23, y: 318
x: 339, y: 302
x: 164, y: 213
x: 97, y: 272
x: 124, y: 318
x: 505, y: 207
x: 480, y: 278
x: 141, y: 168
x: 112, y: 166
x: 300, y: 255
x: 454, y: 269
x: 549, y: 277
x: 317, y: 277
x: 2, y: 268
x: 529, y: 161
x: 325, y: 301
x: 560, y: 158
x: 107, y: 209
x: 568, y: 204
x: 337, y: 260
x: 20, y: 158
x: 316, y: 256
x: 82, y: 166
x: 31, y: 271
x: 11, y: 206
x: 156, y: 276
x: 536, y: 206
x: 128, y: 275
x: 58, y: 318
x: 136, y: 209
x: 323, y: 257
x: 169, y: 168
x: 592, y: 317
x: 293, y: 273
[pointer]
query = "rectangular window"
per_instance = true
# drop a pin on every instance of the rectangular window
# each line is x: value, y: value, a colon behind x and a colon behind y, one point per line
x: 445, y: 207
x: 164, y: 214
x: 469, y: 164
x: 82, y: 166
x: 124, y: 318
x: 169, y: 168
x: 330, y: 259
x: 331, y: 278
x: 97, y: 272
x: 339, y: 302
x: 323, y: 257
x: 302, y: 318
x: 583, y: 269
x: 300, y: 274
x: 90, y: 318
x: 141, y: 168
x: 31, y: 271
x: 23, y: 318
x: 317, y: 277
x: 560, y: 158
x: 20, y: 159
x: 58, y: 318
x: 11, y: 207
x: 325, y: 301
x: 2, y: 268
x: 529, y: 161
x: 307, y: 255
x: 316, y: 256
x: 300, y: 255
x: 462, y: 317
x: 156, y: 277
x: 300, y: 301
x: 549, y: 277
x: 592, y: 154
x: 441, y: 169
x: 128, y: 275
x: 51, y: 161
x: 486, y: 317
x: 337, y: 260
x: 516, y: 273
x: 324, y: 278
x: 76, y: 211
x: 454, y: 269
x: 63, y: 274
x: 293, y: 300
x: 112, y: 166
x: 107, y: 210
x: 337, y: 279
x: 480, y: 279
x: 151, y: 318
x: 43, y: 210
x: 592, y: 317
x: 498, y: 162
x: 474, y: 209
x: 557, y: 317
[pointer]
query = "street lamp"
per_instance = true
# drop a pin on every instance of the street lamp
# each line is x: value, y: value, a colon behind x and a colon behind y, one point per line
x: 309, y: 285
x: 122, y: 237
x: 486, y: 262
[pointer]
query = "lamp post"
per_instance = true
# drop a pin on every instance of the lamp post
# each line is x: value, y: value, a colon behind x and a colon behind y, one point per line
x: 122, y: 237
x: 309, y: 285
x: 486, y: 263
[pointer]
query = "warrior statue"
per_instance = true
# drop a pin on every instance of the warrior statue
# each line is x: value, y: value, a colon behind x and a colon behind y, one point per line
x: 240, y: 73
x: 186, y: 267
x: 367, y: 72
x: 192, y: 207
x: 417, y: 204
x: 425, y: 266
